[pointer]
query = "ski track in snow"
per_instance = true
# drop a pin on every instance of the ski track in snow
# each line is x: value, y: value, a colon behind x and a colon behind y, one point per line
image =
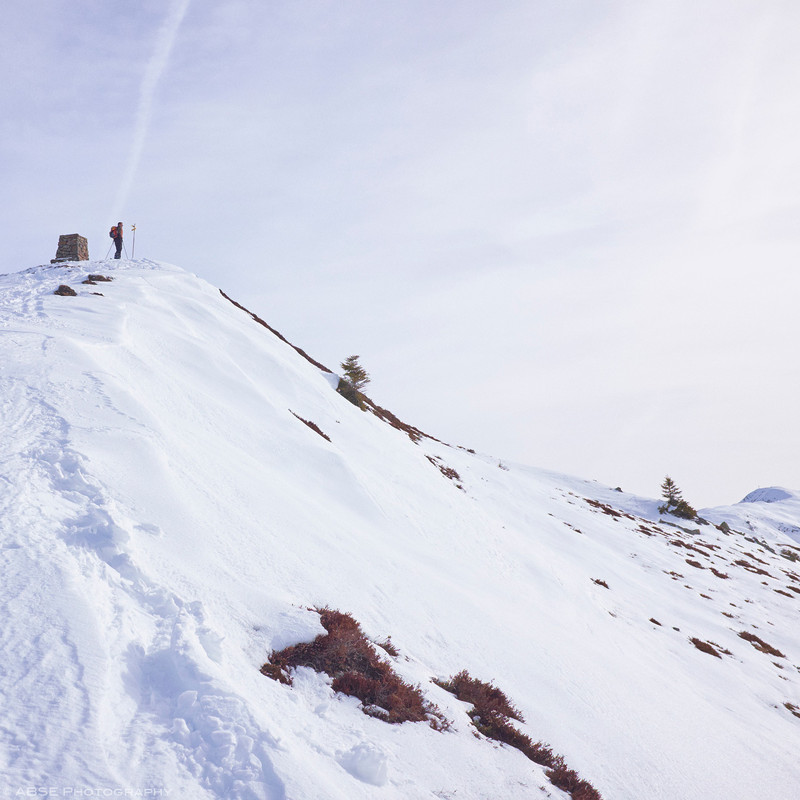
x: 210, y: 729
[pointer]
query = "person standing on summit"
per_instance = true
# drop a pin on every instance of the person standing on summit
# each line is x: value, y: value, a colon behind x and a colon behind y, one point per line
x: 116, y: 234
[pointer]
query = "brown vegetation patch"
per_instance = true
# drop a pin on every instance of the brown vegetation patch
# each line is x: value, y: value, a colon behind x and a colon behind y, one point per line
x: 600, y: 582
x: 487, y: 698
x: 415, y: 434
x: 681, y: 543
x: 706, y: 647
x: 572, y: 527
x: 785, y: 594
x: 311, y: 425
x: 693, y: 563
x: 750, y: 568
x: 655, y: 621
x: 719, y: 574
x: 93, y: 280
x: 345, y: 654
x: 448, y: 472
x: 65, y: 291
x: 388, y: 645
x: 793, y: 708
x: 492, y: 713
x: 607, y: 509
x: 760, y: 644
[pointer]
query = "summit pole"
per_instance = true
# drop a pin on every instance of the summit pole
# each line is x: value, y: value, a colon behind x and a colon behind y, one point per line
x: 133, y: 246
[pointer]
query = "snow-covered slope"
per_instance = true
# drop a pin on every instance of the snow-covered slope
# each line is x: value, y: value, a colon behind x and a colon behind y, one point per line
x: 166, y: 521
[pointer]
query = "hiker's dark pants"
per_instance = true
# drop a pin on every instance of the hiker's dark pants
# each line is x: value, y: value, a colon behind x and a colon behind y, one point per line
x: 118, y: 243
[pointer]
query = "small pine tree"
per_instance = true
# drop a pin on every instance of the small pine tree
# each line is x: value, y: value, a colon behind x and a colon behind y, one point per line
x: 670, y: 492
x: 355, y: 373
x: 684, y: 510
x: 354, y: 380
x: 675, y: 504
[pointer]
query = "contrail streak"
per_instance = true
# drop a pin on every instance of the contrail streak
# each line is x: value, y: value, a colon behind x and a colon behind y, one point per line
x: 165, y: 40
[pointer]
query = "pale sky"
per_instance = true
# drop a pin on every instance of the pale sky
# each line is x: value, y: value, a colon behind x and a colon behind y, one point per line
x: 563, y: 232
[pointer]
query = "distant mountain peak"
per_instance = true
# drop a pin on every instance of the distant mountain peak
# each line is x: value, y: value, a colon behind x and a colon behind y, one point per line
x: 773, y: 494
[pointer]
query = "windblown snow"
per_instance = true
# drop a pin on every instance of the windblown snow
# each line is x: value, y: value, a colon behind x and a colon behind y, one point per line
x: 166, y: 521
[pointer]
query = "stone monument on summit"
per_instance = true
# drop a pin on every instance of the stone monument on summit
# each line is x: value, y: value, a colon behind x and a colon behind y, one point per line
x: 71, y: 247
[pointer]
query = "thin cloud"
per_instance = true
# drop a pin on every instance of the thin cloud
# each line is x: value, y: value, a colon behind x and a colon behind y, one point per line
x: 165, y: 41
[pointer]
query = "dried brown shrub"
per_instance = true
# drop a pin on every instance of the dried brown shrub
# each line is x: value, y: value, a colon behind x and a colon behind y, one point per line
x: 569, y: 781
x: 486, y: 697
x: 760, y: 644
x: 347, y: 656
x: 413, y: 433
x: 750, y: 568
x: 492, y: 713
x: 313, y: 425
x: 705, y: 647
x: 448, y: 472
x: 686, y: 546
x: 385, y: 695
x: 793, y: 708
x: 607, y: 509
x: 388, y: 645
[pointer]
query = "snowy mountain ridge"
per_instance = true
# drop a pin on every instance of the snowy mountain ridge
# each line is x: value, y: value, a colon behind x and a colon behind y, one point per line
x: 168, y: 518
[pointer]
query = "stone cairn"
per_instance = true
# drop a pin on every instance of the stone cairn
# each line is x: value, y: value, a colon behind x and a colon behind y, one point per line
x: 71, y: 247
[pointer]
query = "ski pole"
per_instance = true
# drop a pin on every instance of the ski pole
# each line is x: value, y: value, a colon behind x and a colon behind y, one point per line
x: 125, y: 249
x: 109, y: 251
x: 133, y: 246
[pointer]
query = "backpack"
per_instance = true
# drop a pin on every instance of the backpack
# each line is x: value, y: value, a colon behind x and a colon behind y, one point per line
x: 113, y: 232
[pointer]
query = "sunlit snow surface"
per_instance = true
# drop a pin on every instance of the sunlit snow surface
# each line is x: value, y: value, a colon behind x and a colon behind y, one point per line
x: 166, y: 521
